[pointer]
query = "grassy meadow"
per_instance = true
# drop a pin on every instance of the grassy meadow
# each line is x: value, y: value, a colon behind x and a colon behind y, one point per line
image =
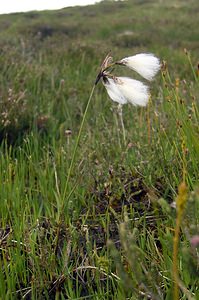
x: 85, y: 214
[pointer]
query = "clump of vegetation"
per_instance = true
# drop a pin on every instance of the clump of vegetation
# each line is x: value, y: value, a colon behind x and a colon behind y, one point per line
x: 15, y: 115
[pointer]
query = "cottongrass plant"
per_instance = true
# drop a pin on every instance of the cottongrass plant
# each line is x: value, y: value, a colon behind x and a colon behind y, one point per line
x: 127, y: 90
x: 121, y: 90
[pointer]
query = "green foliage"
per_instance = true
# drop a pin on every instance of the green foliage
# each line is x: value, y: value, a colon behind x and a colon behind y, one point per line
x: 114, y: 239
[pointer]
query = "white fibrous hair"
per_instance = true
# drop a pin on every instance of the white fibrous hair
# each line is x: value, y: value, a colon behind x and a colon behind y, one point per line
x: 113, y: 90
x: 134, y: 91
x: 125, y: 89
x: 147, y: 65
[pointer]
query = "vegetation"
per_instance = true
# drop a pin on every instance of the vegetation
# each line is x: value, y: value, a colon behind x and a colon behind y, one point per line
x: 104, y: 230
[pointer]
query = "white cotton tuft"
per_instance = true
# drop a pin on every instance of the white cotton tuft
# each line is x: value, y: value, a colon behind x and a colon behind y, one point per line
x: 125, y: 89
x: 147, y: 65
x: 134, y: 91
x: 113, y: 90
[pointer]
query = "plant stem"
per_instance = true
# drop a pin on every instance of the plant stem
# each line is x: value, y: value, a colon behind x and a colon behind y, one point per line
x: 64, y: 203
x: 192, y: 68
x: 175, y: 258
x: 122, y: 123
x: 180, y: 207
x: 149, y: 122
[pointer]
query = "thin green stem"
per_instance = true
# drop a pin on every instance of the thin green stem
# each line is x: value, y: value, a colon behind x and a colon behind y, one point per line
x: 192, y: 68
x: 180, y: 207
x: 65, y: 203
x: 75, y: 152
x: 149, y: 122
x: 122, y: 122
x: 175, y: 257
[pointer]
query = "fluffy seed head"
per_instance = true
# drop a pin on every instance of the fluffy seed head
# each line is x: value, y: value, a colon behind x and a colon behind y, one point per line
x: 125, y: 89
x: 147, y: 65
x: 113, y: 90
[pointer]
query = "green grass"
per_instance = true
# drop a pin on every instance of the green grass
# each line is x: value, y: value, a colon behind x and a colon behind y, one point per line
x: 105, y: 230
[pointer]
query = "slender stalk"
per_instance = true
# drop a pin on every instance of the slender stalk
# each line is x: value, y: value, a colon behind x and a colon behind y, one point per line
x: 191, y: 65
x: 122, y: 123
x: 180, y: 206
x: 115, y: 114
x: 175, y: 258
x: 149, y: 122
x: 180, y: 203
x: 64, y: 203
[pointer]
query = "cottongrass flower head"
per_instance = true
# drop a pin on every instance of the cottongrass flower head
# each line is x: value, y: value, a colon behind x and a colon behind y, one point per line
x: 147, y: 65
x: 124, y: 89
